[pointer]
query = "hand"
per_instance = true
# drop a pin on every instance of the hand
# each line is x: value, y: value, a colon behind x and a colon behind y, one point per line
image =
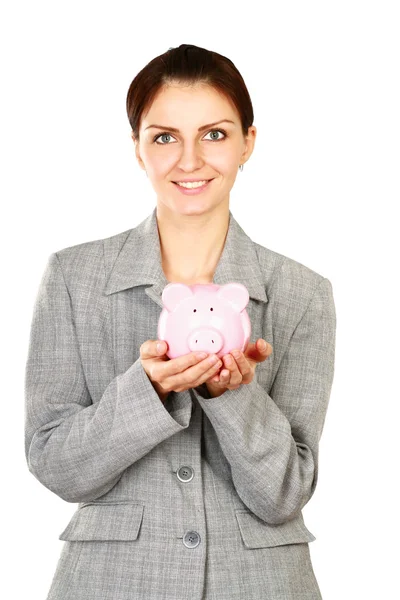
x: 240, y: 370
x: 176, y: 374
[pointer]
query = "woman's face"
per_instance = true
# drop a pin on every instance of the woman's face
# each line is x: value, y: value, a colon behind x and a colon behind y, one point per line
x: 176, y: 150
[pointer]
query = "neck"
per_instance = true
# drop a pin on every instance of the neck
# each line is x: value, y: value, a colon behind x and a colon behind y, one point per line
x: 191, y: 245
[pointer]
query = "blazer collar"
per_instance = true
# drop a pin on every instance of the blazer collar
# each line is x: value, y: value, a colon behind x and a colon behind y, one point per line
x: 139, y: 262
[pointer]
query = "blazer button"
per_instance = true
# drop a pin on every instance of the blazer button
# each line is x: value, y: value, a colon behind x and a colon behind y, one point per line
x: 185, y: 474
x: 191, y: 539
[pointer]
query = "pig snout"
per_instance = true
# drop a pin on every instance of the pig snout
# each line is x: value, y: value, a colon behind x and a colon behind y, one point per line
x: 205, y: 339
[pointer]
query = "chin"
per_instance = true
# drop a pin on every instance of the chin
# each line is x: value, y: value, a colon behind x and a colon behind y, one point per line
x: 193, y: 208
x: 187, y: 205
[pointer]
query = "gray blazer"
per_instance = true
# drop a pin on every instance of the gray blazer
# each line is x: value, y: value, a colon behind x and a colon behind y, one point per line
x: 199, y: 498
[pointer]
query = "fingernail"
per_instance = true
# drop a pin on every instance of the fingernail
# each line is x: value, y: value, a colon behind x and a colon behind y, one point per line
x: 235, y: 353
x: 201, y: 354
x: 263, y: 345
x: 160, y: 347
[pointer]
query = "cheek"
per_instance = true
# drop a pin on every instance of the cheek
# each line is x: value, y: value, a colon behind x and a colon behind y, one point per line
x: 164, y: 166
x: 159, y: 162
x: 225, y: 163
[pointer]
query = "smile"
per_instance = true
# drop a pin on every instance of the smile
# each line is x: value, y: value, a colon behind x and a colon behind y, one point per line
x: 193, y: 187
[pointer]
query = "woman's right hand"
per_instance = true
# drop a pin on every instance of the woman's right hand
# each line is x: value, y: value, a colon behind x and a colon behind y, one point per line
x: 175, y: 374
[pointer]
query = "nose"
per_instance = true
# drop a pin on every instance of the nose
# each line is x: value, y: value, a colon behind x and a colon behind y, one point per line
x: 207, y: 339
x: 191, y: 159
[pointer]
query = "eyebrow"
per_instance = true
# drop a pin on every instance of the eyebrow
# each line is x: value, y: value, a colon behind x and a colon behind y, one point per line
x: 200, y: 128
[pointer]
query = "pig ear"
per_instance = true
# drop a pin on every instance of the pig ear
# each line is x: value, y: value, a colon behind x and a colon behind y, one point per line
x: 174, y: 293
x: 236, y: 294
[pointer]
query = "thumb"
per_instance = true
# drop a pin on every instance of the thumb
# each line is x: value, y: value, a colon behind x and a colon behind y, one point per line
x: 256, y: 351
x: 149, y: 349
x: 161, y: 347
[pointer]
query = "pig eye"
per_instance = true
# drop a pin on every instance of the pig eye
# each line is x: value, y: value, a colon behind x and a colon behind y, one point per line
x: 211, y: 309
x: 194, y: 310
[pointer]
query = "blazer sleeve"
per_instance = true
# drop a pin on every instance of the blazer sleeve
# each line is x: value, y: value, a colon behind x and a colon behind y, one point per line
x: 77, y: 449
x: 271, y: 440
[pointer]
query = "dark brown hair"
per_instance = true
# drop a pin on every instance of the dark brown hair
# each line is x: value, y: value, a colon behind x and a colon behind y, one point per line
x: 188, y: 65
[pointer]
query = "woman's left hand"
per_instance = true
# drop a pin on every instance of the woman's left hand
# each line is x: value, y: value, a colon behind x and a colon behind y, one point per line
x: 238, y: 369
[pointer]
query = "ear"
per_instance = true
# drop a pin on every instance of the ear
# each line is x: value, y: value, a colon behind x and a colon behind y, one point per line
x: 250, y: 140
x: 174, y: 293
x: 137, y: 153
x: 236, y: 294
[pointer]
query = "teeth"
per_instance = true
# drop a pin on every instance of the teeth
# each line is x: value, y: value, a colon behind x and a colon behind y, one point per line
x: 192, y: 184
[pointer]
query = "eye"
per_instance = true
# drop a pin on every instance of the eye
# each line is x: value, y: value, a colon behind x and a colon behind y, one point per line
x: 161, y: 135
x: 219, y: 139
x: 217, y: 131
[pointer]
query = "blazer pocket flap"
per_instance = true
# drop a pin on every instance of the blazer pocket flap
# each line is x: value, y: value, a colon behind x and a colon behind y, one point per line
x: 101, y: 521
x: 258, y: 534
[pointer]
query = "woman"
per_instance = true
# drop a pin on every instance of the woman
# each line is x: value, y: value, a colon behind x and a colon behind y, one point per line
x: 190, y: 477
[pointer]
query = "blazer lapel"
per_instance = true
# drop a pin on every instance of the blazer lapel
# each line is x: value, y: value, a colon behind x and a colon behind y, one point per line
x: 139, y: 262
x: 137, y: 268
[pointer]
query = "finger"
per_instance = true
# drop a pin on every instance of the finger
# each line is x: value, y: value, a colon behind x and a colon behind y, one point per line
x: 198, y: 373
x: 256, y: 351
x: 240, y: 372
x: 183, y: 372
x: 215, y: 379
x: 264, y: 347
x: 242, y: 363
x: 225, y: 377
x: 231, y: 374
x: 149, y: 349
x: 235, y: 368
x: 177, y: 365
x: 218, y: 375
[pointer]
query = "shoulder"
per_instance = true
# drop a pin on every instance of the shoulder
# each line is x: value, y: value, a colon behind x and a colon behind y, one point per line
x: 84, y: 268
x: 286, y: 270
x: 89, y: 262
x: 290, y: 285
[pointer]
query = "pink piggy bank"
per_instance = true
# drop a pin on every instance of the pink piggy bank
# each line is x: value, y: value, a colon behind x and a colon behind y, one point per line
x: 204, y: 317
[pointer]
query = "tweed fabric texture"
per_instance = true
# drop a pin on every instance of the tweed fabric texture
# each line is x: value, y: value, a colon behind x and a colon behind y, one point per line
x: 97, y: 434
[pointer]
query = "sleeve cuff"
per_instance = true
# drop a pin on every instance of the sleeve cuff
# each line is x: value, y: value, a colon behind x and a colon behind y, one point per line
x: 173, y: 415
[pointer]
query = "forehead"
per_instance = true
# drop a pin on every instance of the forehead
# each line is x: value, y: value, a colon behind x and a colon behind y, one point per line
x: 195, y: 104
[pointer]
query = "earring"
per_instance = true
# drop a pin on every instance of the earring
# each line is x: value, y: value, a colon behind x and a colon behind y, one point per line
x: 241, y: 167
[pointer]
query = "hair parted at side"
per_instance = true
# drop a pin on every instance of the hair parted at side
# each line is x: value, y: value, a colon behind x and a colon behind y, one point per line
x: 188, y: 65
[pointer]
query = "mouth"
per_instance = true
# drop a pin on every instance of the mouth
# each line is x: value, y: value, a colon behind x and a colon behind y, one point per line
x: 192, y: 191
x: 206, y: 180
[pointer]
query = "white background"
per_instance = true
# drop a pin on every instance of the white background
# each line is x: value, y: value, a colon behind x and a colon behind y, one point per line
x: 321, y: 187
